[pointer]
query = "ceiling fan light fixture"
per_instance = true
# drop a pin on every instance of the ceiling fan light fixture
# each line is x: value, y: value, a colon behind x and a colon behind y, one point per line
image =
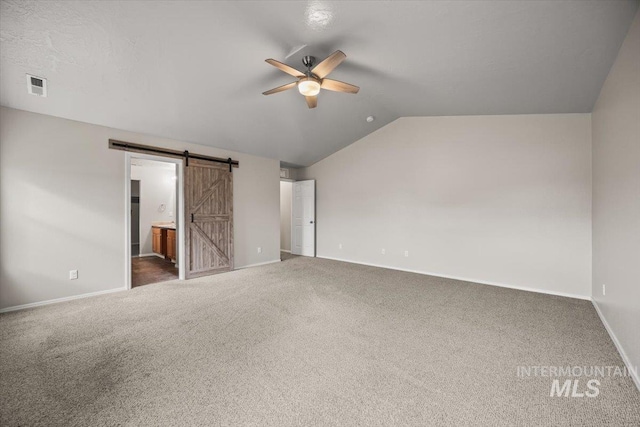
x: 309, y: 86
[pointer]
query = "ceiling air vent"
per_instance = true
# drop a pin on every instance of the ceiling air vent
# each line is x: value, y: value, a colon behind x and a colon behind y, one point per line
x: 36, y: 85
x: 284, y: 173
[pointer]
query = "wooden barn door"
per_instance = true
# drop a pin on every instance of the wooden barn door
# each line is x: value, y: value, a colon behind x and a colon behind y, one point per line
x: 208, y: 191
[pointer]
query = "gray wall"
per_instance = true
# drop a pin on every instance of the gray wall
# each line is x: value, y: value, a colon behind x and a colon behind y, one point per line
x: 62, y: 206
x: 616, y: 197
x: 495, y: 199
x: 286, y: 188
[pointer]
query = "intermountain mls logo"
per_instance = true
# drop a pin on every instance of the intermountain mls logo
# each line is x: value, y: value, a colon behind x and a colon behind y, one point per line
x: 575, y: 381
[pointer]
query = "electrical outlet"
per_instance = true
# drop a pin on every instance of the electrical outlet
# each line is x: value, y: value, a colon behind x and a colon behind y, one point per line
x: 73, y: 274
x: 339, y: 245
x: 406, y: 253
x: 259, y: 250
x: 604, y: 289
x: 383, y: 251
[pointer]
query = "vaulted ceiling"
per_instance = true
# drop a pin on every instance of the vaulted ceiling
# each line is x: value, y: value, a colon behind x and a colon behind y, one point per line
x: 195, y: 71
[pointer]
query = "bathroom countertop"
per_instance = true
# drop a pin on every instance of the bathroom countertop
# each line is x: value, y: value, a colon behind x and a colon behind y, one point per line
x: 168, y: 226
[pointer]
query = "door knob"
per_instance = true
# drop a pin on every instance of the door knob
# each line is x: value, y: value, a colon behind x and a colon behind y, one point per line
x: 310, y: 222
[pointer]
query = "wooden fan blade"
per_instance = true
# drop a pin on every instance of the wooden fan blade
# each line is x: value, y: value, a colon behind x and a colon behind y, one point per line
x: 332, y: 61
x: 338, y: 86
x: 280, y: 88
x: 284, y: 67
x: 312, y: 101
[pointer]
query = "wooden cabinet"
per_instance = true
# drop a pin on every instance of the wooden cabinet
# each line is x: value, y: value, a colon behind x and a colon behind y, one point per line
x: 156, y: 240
x: 163, y: 242
x: 171, y: 244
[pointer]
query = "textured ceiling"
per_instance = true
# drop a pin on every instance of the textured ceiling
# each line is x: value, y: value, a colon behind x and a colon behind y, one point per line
x: 195, y: 71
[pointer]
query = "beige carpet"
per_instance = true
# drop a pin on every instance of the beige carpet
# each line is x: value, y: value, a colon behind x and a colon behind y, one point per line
x: 306, y: 342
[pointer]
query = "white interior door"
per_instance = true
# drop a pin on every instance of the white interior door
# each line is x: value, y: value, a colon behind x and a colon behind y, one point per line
x: 303, y: 221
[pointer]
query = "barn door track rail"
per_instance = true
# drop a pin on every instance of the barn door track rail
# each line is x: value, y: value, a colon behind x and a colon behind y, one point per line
x: 114, y: 144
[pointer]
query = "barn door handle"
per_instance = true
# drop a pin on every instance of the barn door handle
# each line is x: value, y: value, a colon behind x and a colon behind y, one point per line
x: 191, y: 217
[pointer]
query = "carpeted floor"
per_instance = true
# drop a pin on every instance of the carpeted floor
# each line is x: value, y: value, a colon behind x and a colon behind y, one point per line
x: 306, y: 342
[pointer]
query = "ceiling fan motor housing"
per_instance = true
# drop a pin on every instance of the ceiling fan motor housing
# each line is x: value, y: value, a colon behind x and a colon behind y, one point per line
x: 308, y: 61
x: 309, y: 85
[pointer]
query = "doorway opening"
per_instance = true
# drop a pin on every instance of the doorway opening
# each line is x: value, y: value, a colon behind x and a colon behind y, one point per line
x: 303, y: 218
x: 297, y: 218
x: 286, y: 193
x: 154, y: 204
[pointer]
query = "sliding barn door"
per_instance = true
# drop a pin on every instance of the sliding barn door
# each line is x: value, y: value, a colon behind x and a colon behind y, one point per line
x: 208, y: 190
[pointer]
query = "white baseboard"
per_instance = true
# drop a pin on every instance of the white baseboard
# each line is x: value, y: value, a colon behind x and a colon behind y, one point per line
x: 284, y: 250
x: 258, y: 264
x: 151, y: 254
x: 465, y: 279
x: 57, y: 300
x: 632, y: 370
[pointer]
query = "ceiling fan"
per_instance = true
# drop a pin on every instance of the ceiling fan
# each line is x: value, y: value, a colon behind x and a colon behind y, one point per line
x: 311, y: 81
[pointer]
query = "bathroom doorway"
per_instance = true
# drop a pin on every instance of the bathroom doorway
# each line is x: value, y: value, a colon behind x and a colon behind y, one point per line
x: 154, y: 209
